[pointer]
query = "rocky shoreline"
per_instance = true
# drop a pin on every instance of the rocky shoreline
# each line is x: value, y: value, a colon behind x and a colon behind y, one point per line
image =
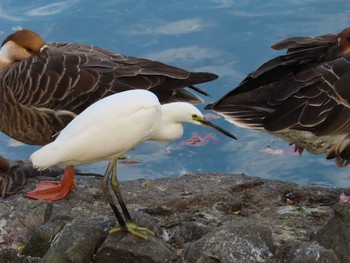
x: 196, y: 218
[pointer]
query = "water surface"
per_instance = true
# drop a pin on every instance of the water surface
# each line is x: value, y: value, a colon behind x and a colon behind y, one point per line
x: 227, y: 37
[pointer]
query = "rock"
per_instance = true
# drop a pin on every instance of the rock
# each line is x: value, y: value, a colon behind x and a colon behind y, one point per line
x: 336, y: 233
x: 13, y: 256
x: 157, y: 211
x: 311, y: 252
x: 196, y: 218
x: 232, y: 243
x: 77, y: 242
x: 126, y: 248
x: 19, y: 218
x: 34, y: 214
x: 188, y: 231
x: 41, y: 239
x: 145, y: 220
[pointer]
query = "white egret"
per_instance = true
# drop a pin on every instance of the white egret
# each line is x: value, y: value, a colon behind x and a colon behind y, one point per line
x: 112, y: 126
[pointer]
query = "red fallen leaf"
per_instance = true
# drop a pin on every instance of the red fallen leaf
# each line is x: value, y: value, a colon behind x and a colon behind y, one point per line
x: 124, y: 163
x: 277, y: 151
x: 198, y: 140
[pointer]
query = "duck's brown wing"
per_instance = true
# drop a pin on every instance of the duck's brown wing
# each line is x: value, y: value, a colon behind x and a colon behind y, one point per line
x: 45, y: 92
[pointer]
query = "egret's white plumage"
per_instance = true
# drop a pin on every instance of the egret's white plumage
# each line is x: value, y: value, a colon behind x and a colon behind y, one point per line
x: 111, y: 127
x: 103, y: 131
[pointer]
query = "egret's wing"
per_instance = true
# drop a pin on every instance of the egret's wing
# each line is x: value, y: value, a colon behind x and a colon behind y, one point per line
x: 110, y: 110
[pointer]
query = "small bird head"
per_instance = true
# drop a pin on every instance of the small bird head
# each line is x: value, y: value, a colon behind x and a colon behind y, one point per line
x: 185, y: 112
x: 21, y: 45
x: 199, y: 119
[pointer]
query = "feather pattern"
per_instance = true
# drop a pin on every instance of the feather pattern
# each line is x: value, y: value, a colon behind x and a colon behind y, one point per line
x: 15, y: 174
x: 43, y: 91
x: 302, y: 96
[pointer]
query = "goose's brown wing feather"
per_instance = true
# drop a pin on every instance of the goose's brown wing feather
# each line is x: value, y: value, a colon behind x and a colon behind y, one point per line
x: 65, y: 71
x: 50, y: 88
x: 316, y: 99
x: 301, y: 52
x: 306, y: 89
x: 285, y: 91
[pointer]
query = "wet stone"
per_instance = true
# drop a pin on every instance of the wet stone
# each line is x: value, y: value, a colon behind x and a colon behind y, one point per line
x: 126, y: 248
x: 34, y: 214
x: 232, y: 243
x: 41, y: 239
x: 311, y: 252
x: 157, y: 211
x: 198, y: 218
x: 343, y: 211
x: 188, y: 231
x: 77, y: 242
x: 145, y: 220
x: 336, y: 233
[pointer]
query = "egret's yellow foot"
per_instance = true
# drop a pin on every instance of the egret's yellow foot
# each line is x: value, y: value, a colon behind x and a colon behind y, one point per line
x: 132, y: 228
x: 21, y: 248
x: 53, y: 191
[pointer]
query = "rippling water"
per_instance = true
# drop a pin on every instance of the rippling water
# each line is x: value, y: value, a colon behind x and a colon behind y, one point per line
x: 227, y: 37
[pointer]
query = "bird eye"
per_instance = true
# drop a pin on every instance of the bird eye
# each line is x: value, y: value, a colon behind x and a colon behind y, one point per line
x: 30, y: 50
x: 194, y: 116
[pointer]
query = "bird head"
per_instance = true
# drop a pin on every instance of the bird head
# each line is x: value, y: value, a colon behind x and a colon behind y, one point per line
x: 185, y: 112
x: 199, y: 119
x: 21, y: 45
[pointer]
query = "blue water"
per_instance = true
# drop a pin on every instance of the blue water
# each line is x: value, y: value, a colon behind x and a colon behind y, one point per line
x: 227, y: 37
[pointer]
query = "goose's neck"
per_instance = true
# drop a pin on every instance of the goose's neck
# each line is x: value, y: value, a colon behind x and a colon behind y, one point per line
x: 5, y: 59
x: 4, y: 63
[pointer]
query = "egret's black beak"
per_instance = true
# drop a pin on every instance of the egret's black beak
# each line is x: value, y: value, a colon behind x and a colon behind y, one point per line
x: 207, y: 123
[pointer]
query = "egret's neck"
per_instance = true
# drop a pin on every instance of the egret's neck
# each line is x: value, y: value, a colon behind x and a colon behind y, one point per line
x: 170, y: 127
x: 169, y: 133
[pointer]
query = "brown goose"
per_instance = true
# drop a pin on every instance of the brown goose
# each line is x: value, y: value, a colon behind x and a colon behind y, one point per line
x: 45, y: 85
x: 302, y: 96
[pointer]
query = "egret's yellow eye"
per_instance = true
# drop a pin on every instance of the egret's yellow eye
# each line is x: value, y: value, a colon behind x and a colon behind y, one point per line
x: 194, y: 116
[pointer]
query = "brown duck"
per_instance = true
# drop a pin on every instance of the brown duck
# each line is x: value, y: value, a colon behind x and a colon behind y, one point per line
x: 302, y: 96
x: 45, y: 85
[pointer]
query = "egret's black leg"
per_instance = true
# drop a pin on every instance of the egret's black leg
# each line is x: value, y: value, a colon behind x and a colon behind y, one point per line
x: 115, y: 187
x: 105, y: 190
x: 131, y: 227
